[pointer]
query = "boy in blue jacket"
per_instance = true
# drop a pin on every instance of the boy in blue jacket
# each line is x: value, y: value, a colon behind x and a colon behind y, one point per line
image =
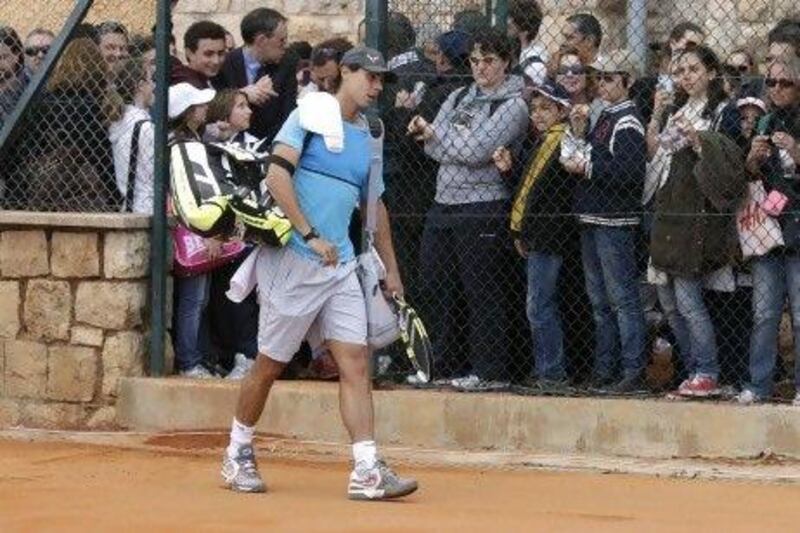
x: 612, y: 162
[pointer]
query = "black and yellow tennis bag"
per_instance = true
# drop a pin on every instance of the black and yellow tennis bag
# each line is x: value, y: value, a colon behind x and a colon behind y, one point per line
x: 217, y: 191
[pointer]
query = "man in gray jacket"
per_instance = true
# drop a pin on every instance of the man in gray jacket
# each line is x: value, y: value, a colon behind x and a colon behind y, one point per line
x: 465, y: 252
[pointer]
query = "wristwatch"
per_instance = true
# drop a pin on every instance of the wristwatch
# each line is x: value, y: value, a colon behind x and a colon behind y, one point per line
x: 312, y: 234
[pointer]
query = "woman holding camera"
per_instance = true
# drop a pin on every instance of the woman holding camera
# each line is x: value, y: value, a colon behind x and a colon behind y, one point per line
x: 773, y: 159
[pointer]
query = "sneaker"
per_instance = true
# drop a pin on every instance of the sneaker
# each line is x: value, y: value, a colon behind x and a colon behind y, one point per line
x: 599, y: 384
x: 547, y: 386
x: 473, y: 383
x: 240, y: 473
x: 416, y: 380
x: 241, y: 367
x: 378, y: 483
x: 196, y: 372
x: 748, y: 397
x: 699, y: 386
x: 466, y: 382
x: 796, y: 401
x: 629, y: 385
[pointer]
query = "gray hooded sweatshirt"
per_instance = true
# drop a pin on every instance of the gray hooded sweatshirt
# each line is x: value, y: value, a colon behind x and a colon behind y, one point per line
x: 465, y: 137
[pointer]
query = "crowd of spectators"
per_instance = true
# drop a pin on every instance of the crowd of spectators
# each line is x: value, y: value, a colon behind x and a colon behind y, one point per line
x: 566, y: 186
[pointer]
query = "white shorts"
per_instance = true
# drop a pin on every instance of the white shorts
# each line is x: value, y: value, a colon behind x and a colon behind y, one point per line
x: 295, y: 293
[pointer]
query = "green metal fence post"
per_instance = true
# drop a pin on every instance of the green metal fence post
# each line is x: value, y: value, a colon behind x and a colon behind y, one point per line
x: 158, y: 242
x: 501, y: 14
x: 376, y: 16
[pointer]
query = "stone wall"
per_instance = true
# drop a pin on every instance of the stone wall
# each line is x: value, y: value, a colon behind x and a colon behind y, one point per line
x: 73, y: 319
x: 730, y: 23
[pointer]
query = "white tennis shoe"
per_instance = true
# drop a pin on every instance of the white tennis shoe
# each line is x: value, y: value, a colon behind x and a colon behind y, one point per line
x: 378, y: 483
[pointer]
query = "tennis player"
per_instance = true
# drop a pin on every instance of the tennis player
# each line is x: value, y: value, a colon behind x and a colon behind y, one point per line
x: 313, y: 280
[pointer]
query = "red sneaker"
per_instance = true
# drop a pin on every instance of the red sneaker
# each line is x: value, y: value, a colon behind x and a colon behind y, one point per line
x: 699, y: 386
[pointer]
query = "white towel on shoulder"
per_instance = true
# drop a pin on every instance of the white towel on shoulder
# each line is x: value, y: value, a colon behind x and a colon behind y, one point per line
x: 320, y: 113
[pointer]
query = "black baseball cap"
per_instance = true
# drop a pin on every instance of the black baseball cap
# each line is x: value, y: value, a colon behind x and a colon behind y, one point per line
x: 370, y: 60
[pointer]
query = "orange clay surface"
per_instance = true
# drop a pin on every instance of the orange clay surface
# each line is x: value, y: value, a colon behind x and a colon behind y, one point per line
x: 47, y: 486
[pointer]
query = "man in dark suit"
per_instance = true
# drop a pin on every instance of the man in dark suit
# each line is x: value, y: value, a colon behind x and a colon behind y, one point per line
x: 263, y: 70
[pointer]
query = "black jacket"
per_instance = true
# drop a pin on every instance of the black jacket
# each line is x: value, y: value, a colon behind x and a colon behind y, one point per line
x: 612, y: 187
x: 548, y: 224
x: 773, y: 175
x: 268, y: 118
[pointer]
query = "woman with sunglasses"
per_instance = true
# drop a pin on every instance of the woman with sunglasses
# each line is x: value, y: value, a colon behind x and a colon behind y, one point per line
x: 696, y: 181
x: 572, y: 75
x: 774, y: 158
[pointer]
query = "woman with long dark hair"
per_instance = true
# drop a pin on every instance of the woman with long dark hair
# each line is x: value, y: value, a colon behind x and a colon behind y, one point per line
x: 697, y: 182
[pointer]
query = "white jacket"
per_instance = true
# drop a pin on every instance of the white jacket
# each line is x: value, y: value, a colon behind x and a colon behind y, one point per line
x: 120, y: 134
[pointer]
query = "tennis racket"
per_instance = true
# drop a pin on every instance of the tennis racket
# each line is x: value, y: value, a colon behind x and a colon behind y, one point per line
x: 415, y: 339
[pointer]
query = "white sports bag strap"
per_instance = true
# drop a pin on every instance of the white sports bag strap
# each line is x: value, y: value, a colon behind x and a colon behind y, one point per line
x: 375, y: 174
x: 382, y: 325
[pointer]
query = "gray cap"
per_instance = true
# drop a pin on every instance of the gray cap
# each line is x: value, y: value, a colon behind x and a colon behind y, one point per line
x: 370, y: 60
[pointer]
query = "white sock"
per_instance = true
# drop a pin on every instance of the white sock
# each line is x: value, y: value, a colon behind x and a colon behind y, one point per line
x: 365, y: 452
x: 241, y: 435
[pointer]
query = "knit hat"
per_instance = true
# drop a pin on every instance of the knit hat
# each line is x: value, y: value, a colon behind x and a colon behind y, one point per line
x: 455, y: 45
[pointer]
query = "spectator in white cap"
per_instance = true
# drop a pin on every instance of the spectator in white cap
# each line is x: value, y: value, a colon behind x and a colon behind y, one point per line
x: 607, y: 200
x: 752, y: 108
x: 187, y: 110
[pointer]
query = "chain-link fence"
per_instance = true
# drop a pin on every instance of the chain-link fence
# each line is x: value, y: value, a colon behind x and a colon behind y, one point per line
x: 604, y: 201
x: 583, y: 200
x: 72, y: 150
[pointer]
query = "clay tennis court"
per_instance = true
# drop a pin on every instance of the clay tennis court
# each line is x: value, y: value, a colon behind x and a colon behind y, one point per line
x: 58, y: 486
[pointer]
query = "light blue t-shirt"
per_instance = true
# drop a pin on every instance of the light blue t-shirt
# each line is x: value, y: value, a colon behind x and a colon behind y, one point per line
x: 328, y: 185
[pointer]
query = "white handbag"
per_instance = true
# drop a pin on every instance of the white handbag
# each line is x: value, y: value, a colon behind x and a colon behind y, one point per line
x: 382, y: 322
x: 759, y: 233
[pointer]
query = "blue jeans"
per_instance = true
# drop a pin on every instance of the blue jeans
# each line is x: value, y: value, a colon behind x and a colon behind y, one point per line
x: 609, y: 264
x: 544, y: 315
x: 688, y: 317
x: 773, y: 277
x: 190, y: 334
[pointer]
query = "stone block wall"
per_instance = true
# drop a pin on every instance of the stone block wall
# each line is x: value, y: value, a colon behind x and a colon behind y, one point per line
x: 73, y: 315
x: 730, y: 23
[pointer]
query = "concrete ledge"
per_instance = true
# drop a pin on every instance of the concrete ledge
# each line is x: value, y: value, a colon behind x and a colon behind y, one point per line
x: 457, y: 421
x: 74, y: 220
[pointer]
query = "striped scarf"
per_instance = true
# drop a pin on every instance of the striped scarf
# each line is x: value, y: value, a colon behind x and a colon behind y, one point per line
x: 549, y: 146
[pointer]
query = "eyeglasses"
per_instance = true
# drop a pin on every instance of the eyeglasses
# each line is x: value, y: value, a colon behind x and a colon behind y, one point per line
x: 782, y: 83
x: 486, y: 60
x: 36, y: 50
x: 741, y: 69
x: 575, y: 70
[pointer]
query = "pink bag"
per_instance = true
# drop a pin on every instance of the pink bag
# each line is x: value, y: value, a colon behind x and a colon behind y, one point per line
x: 191, y: 254
x: 775, y: 203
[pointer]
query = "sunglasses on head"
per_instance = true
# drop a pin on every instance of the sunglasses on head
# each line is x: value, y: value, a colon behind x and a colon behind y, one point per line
x: 575, y: 70
x: 782, y: 83
x: 36, y: 50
